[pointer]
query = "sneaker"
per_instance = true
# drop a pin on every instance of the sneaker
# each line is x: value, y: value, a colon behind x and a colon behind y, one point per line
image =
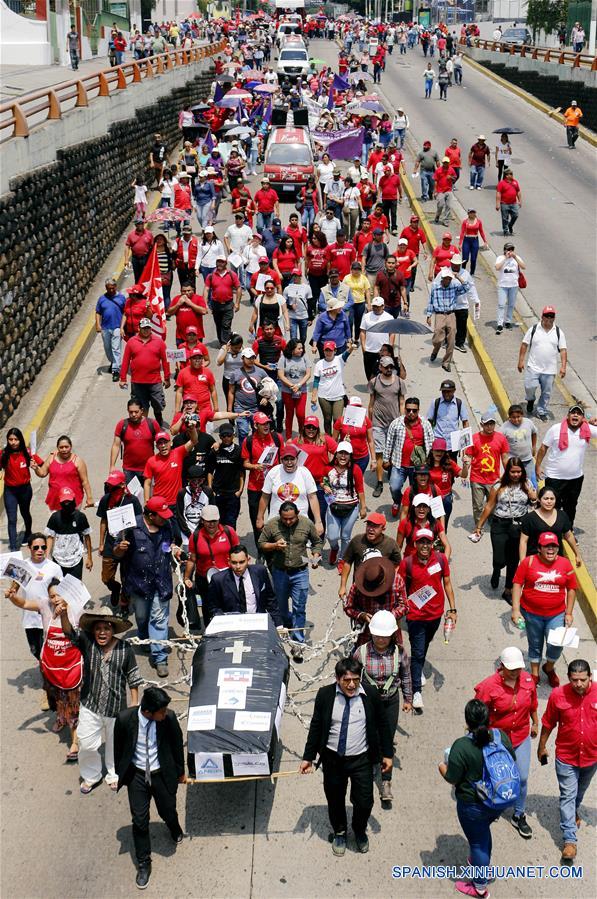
x: 423, y: 679
x: 508, y: 326
x: 519, y: 823
x: 143, y: 877
x: 530, y: 405
x: 461, y: 349
x: 333, y: 557
x: 362, y: 842
x: 499, y: 329
x: 552, y: 677
x: 418, y: 703
x: 433, y: 356
x: 339, y: 843
x: 543, y: 416
x: 385, y: 791
x: 495, y: 579
x: 446, y: 366
x: 395, y: 510
x: 470, y: 187
x: 469, y: 889
x: 115, y: 376
x: 479, y: 188
x: 161, y: 669
x: 378, y: 489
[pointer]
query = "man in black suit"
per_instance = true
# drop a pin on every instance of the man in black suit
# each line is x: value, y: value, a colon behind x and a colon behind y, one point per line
x: 149, y: 761
x: 350, y: 734
x: 242, y: 588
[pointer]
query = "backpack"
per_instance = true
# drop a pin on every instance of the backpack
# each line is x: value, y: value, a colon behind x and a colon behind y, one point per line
x: 499, y: 786
x: 249, y: 442
x: 433, y: 420
x: 534, y: 328
x: 151, y: 424
x: 408, y: 565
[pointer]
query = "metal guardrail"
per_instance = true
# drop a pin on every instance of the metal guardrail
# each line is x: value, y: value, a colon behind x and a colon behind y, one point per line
x: 544, y: 54
x: 50, y: 103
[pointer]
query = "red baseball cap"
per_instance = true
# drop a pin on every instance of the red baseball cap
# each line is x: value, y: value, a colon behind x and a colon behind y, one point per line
x: 159, y: 505
x: 426, y: 143
x: 115, y: 478
x: 329, y: 345
x: 423, y: 534
x: 260, y: 418
x: 137, y: 290
x: 289, y: 450
x: 297, y: 271
x: 191, y: 330
x: 162, y: 435
x: 548, y: 310
x: 447, y: 235
x: 439, y: 444
x: 196, y: 352
x: 376, y: 518
x: 414, y: 218
x: 66, y: 495
x: 548, y: 538
x: 312, y: 420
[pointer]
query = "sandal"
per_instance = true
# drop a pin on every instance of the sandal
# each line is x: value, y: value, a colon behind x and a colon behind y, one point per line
x: 86, y: 788
x: 57, y: 727
x: 114, y: 786
x: 73, y: 754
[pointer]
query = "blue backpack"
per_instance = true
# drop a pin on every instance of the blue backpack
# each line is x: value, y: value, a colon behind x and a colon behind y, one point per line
x: 499, y: 786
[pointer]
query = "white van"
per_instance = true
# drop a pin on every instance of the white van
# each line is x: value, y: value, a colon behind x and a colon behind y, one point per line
x: 293, y: 61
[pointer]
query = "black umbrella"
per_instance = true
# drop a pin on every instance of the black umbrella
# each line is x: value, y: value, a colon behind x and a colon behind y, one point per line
x: 508, y: 130
x: 400, y: 326
x: 225, y: 79
x: 200, y: 107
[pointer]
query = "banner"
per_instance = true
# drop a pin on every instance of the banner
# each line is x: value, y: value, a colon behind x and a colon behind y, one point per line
x: 343, y: 144
x: 151, y: 279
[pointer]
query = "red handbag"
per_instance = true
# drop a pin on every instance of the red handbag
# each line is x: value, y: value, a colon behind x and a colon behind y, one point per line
x: 522, y: 281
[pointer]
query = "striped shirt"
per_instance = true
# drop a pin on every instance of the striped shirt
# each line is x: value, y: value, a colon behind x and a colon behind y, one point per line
x: 443, y: 299
x: 380, y: 666
x: 106, y: 675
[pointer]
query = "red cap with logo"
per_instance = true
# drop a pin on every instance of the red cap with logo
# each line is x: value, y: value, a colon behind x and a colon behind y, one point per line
x: 548, y: 310
x: 260, y: 418
x: 312, y: 420
x: 162, y: 435
x: 289, y: 450
x: 548, y: 538
x: 196, y: 353
x: 376, y: 518
x: 159, y: 505
x: 329, y: 345
x: 66, y: 495
x: 115, y: 478
x: 191, y: 330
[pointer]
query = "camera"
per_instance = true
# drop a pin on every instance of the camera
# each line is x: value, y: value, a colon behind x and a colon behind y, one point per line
x: 191, y: 418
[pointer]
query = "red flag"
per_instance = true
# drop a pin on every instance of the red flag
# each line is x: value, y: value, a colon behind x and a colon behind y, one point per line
x: 151, y: 279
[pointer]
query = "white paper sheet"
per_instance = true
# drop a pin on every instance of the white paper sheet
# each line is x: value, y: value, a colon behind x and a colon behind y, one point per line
x: 302, y: 457
x: 235, y: 259
x: 17, y: 570
x: 4, y: 557
x: 268, y: 456
x: 563, y: 636
x: 75, y: 593
x: 120, y: 518
x: 202, y: 717
x: 280, y: 710
x: 136, y: 488
x: 437, y: 506
x: 176, y: 355
x: 459, y: 440
x: 354, y: 416
x: 232, y: 696
x: 252, y: 721
x: 221, y: 624
x: 235, y: 676
x: 246, y: 763
x: 209, y: 765
x: 422, y: 596
x: 33, y: 442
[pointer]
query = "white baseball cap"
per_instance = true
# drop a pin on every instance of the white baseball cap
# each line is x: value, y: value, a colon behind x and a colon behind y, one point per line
x: 421, y: 499
x: 344, y: 447
x: 446, y: 273
x: 512, y: 658
x: 248, y: 353
x: 355, y: 401
x: 378, y: 301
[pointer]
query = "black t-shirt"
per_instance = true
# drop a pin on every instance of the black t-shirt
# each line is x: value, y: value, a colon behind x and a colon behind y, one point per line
x: 68, y: 530
x: 102, y: 507
x: 533, y: 526
x: 226, y: 466
x: 198, y: 453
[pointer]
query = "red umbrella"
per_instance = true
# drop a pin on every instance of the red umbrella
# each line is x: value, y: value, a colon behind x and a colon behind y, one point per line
x: 166, y: 214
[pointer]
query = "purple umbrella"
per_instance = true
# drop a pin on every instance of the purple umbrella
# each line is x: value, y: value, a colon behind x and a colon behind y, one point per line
x: 373, y: 105
x: 231, y: 102
x: 266, y: 89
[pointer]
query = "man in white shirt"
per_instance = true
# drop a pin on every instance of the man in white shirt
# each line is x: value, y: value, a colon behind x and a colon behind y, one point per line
x: 329, y: 225
x: 372, y: 342
x: 289, y: 481
x: 546, y: 345
x: 564, y: 447
x: 461, y: 308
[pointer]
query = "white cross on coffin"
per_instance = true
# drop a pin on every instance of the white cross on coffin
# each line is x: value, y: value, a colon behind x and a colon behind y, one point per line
x: 237, y: 650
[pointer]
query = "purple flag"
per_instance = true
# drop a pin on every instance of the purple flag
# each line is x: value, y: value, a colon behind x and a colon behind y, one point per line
x: 218, y: 92
x: 257, y: 111
x: 331, y: 98
x: 267, y: 115
x: 209, y: 141
x: 340, y: 84
x: 343, y: 144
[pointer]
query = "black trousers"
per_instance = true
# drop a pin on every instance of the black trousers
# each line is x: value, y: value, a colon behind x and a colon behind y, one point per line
x: 568, y: 492
x: 229, y: 506
x: 370, y: 361
x: 461, y: 320
x: 138, y: 263
x: 253, y: 497
x: 337, y: 771
x: 76, y: 570
x: 390, y: 208
x: 505, y: 540
x: 35, y: 639
x: 187, y: 275
x: 392, y: 709
x: 223, y: 314
x: 140, y: 794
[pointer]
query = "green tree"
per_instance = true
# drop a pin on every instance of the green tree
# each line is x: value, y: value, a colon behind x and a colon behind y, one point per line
x: 546, y: 15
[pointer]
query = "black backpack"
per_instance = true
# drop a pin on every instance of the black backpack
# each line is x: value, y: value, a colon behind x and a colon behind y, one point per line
x: 534, y: 328
x: 433, y: 421
x: 249, y: 442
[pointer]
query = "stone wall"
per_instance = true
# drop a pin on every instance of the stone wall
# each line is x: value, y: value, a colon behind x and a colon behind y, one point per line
x: 59, y: 223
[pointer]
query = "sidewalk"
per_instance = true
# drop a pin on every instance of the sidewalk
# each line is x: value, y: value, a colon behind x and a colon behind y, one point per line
x: 18, y: 80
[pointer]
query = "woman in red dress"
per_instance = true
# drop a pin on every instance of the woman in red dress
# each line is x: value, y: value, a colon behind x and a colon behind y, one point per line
x: 65, y: 469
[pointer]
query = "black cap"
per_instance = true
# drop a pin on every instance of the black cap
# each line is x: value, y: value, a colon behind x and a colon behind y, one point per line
x: 196, y: 471
x: 226, y: 428
x: 447, y: 385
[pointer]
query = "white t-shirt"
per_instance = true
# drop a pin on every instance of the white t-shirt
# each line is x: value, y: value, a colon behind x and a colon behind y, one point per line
x: 375, y: 341
x: 294, y: 486
x: 238, y: 237
x: 352, y: 196
x: 507, y: 275
x: 209, y: 252
x: 565, y: 464
x: 37, y: 588
x: 544, y: 357
x: 330, y: 228
x: 325, y: 172
x: 331, y: 378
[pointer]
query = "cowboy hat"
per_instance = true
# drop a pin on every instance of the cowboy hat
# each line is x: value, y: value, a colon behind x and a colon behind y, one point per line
x: 374, y: 577
x: 104, y: 613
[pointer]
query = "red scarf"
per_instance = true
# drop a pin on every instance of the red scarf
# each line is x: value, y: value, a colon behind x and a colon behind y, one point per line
x: 585, y: 434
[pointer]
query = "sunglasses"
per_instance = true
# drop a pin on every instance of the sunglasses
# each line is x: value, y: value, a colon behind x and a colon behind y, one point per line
x: 548, y: 315
x: 412, y: 409
x: 40, y: 546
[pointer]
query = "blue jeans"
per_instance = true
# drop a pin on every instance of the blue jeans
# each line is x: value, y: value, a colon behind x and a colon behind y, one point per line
x: 538, y: 627
x: 339, y: 530
x: 119, y: 57
x: 152, y: 616
x: 363, y: 463
x: 399, y: 136
x: 523, y: 760
x: 17, y: 498
x: 428, y: 87
x: 448, y: 501
x: 263, y: 220
x: 243, y: 429
x: 298, y: 329
x: 420, y: 635
x: 308, y: 216
x: 509, y: 213
x: 426, y: 185
x: 477, y: 175
x: 112, y: 346
x: 506, y: 301
x: 476, y: 820
x: 398, y: 478
x: 573, y: 783
x: 529, y: 467
x: 204, y: 214
x: 470, y: 250
x: 292, y: 585
x: 532, y: 380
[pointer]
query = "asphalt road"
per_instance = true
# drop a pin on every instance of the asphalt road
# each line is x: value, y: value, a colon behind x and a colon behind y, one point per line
x: 257, y: 840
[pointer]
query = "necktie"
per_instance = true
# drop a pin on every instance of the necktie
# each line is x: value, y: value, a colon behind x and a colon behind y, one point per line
x: 344, y: 727
x: 242, y: 596
x: 147, y: 765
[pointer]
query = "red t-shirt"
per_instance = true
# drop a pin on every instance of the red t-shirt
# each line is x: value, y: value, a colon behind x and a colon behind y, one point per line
x: 17, y: 472
x: 258, y: 444
x: 407, y: 494
x: 146, y: 359
x: 223, y: 287
x: 166, y: 472
x: 265, y: 200
x: 317, y: 461
x: 442, y: 256
x: 360, y: 241
x: 137, y: 442
x: 204, y: 414
x: 272, y: 275
x: 187, y: 317
x: 509, y: 710
x: 544, y: 586
x: 429, y: 575
x: 576, y: 720
x: 358, y: 436
x: 443, y: 478
x: 486, y: 456
x: 196, y: 384
x: 508, y: 191
x: 212, y: 552
x: 405, y: 259
x: 417, y: 439
x: 140, y: 244
x: 299, y: 237
x: 317, y: 260
x: 479, y: 153
x: 444, y: 179
x: 453, y: 154
x: 286, y: 261
x: 341, y: 258
x: 389, y: 186
x: 407, y: 530
x: 188, y: 350
x: 416, y: 239
x: 380, y: 221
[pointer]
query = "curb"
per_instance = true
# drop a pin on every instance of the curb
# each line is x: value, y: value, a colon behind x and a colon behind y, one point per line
x: 587, y: 592
x: 585, y: 133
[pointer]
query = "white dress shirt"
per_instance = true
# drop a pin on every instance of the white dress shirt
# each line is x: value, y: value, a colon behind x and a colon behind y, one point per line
x: 146, y: 741
x: 249, y: 591
x: 356, y: 739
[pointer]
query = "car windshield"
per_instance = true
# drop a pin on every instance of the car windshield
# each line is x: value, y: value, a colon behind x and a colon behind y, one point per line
x: 293, y: 54
x: 289, y: 154
x: 515, y: 32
